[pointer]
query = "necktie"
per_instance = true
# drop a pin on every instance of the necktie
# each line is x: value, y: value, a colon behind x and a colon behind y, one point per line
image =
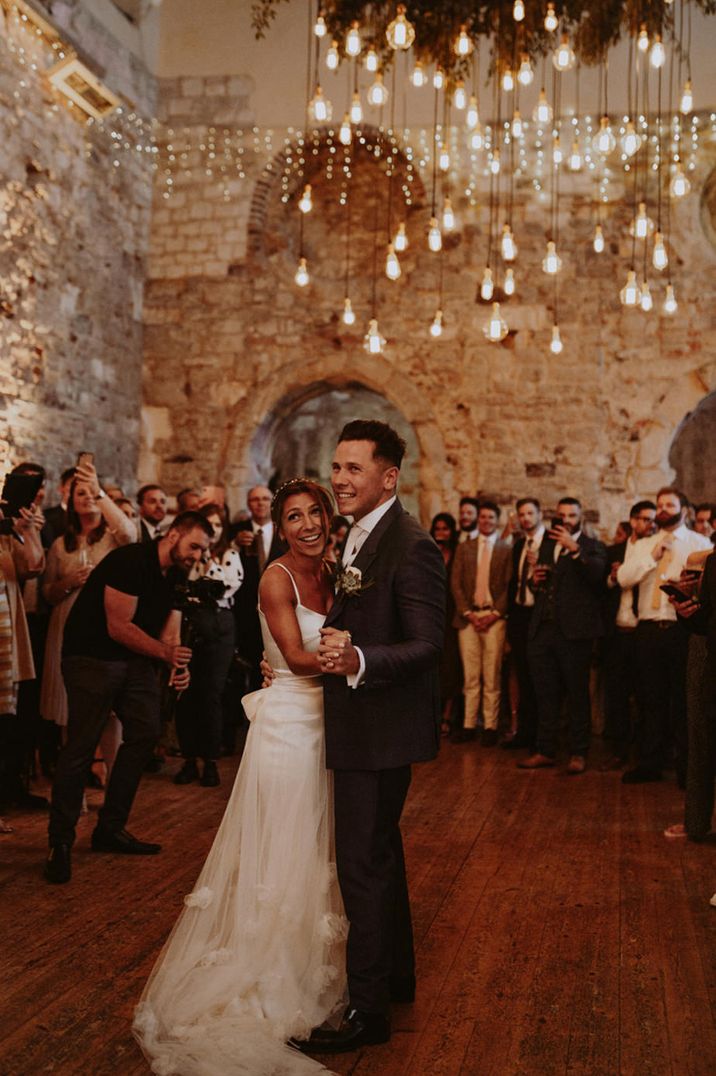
x: 661, y: 568
x: 526, y: 569
x: 260, y: 548
x: 483, y: 573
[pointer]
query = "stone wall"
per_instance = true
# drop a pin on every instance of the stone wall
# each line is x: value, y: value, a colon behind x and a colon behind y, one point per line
x: 74, y: 219
x: 230, y: 338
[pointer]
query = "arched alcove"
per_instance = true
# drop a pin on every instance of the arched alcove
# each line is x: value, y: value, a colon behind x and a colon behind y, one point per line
x: 693, y: 452
x: 298, y: 437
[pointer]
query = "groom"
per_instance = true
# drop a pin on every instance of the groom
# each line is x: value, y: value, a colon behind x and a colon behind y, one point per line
x: 380, y: 651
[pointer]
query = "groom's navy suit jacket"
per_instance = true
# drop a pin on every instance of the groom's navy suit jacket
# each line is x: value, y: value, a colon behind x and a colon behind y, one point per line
x: 392, y: 718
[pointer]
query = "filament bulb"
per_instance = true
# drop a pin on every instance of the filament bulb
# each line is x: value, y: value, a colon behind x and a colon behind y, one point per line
x: 444, y: 159
x: 508, y: 247
x: 378, y: 94
x: 494, y: 163
x: 463, y: 45
x: 670, y: 305
x: 598, y: 241
x: 563, y: 56
x: 686, y: 104
x: 392, y: 265
x: 477, y: 138
x: 680, y: 184
x: 575, y: 157
x: 356, y: 111
x: 551, y: 263
x: 305, y: 203
x: 370, y: 60
x: 630, y: 141
x: 472, y: 116
x: 332, y: 57
x: 647, y: 303
x: 436, y: 329
x: 557, y: 155
x: 525, y: 75
x: 518, y: 10
x: 657, y: 55
x: 418, y: 77
x: 630, y: 294
x: 459, y: 98
x: 486, y: 285
x: 555, y: 345
x: 605, y: 142
x: 659, y: 257
x: 345, y: 134
x: 508, y: 81
x: 438, y: 78
x: 348, y: 312
x: 319, y: 28
x: 400, y: 33
x: 509, y: 287
x: 401, y: 240
x: 495, y: 328
x: 448, y: 221
x: 551, y: 22
x: 319, y: 108
x: 642, y: 40
x: 373, y: 342
x: 353, y: 42
x: 543, y: 112
x: 435, y: 239
x: 517, y: 125
x: 642, y: 226
x: 302, y: 278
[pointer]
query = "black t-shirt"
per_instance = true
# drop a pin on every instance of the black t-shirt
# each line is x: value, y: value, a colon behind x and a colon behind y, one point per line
x: 133, y: 569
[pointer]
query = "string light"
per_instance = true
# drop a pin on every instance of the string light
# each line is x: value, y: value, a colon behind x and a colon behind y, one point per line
x: 555, y: 345
x: 563, y: 56
x: 305, y: 203
x: 518, y: 10
x: 332, y: 57
x: 302, y: 278
x: 436, y: 328
x: 400, y: 33
x: 370, y: 61
x: 418, y: 77
x: 353, y: 42
x: 487, y: 286
x: 392, y: 265
x: 435, y: 239
x: 509, y: 285
x: 630, y: 295
x: 463, y: 46
x: 401, y: 239
x: 551, y: 22
x: 348, y: 312
x: 670, y: 305
x: 495, y: 328
x: 598, y: 241
x: 373, y: 342
x: 378, y: 93
x: 551, y: 263
x: 659, y: 256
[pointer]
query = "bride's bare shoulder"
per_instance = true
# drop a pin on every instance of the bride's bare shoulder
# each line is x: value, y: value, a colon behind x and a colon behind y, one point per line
x: 276, y: 586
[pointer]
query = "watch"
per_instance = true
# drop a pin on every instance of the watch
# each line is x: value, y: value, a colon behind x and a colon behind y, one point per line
x: 101, y: 494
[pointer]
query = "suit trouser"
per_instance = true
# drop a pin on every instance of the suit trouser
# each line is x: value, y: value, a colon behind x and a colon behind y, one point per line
x: 94, y: 689
x: 518, y: 627
x: 560, y: 667
x: 701, y: 719
x: 661, y: 650
x: 620, y: 680
x: 481, y: 653
x: 371, y: 873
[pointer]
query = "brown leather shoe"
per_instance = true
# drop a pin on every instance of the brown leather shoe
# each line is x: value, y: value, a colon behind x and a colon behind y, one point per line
x: 577, y: 764
x: 536, y: 762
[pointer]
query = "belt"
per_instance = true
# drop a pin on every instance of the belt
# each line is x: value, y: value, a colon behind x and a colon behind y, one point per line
x: 663, y: 624
x: 481, y: 608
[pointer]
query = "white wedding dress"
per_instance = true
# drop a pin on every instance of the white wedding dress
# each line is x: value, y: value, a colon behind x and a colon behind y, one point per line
x: 258, y: 954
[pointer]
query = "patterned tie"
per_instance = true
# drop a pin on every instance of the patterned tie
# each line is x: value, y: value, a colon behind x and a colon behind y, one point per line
x: 526, y: 569
x: 260, y: 549
x: 483, y: 573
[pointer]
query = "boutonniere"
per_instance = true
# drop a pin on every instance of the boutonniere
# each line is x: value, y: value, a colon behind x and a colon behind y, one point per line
x: 349, y: 581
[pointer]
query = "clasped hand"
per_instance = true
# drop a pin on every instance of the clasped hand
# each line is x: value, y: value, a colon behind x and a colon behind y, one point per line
x: 336, y: 653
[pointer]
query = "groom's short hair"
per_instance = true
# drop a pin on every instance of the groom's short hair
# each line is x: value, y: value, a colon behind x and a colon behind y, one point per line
x: 389, y: 445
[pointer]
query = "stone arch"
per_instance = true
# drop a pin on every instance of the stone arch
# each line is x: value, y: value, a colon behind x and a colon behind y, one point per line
x: 693, y: 451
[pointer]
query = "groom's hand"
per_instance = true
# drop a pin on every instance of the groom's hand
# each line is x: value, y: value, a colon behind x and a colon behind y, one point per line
x: 336, y: 653
x: 266, y: 672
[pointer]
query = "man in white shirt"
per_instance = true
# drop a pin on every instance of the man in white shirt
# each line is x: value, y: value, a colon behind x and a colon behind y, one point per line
x: 525, y: 553
x: 660, y: 640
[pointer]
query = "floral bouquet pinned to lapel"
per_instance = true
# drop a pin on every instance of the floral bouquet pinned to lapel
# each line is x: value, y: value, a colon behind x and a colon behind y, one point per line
x: 349, y: 581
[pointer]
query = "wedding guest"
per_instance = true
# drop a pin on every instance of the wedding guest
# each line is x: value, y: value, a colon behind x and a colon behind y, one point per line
x: 660, y: 639
x: 56, y: 515
x: 199, y: 714
x: 622, y: 532
x: 467, y: 517
x: 704, y: 519
x: 152, y: 502
x: 127, y: 507
x: 444, y: 532
x: 480, y: 579
x: 525, y: 553
x: 115, y: 493
x: 188, y: 500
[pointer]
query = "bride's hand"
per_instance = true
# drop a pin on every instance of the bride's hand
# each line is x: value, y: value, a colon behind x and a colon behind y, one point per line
x: 336, y: 653
x: 267, y: 672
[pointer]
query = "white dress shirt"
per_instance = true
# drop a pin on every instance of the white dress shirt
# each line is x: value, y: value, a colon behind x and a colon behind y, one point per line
x: 357, y: 535
x: 625, y: 612
x: 536, y: 540
x: 641, y: 569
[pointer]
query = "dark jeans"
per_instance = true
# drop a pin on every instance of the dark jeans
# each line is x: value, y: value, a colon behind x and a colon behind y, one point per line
x: 619, y: 666
x: 371, y: 873
x: 560, y: 667
x: 701, y: 719
x: 661, y: 668
x: 94, y: 689
x: 199, y: 712
x: 518, y: 626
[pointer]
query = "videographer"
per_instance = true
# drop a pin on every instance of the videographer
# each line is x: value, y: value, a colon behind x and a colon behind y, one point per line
x: 121, y: 628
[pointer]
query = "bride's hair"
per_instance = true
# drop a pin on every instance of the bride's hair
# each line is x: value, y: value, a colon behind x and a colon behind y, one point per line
x: 303, y: 485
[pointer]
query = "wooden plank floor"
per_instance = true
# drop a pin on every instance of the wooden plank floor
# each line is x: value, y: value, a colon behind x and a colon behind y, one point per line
x: 557, y: 930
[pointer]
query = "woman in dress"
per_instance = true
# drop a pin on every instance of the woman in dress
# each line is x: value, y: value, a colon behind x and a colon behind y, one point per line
x: 257, y: 957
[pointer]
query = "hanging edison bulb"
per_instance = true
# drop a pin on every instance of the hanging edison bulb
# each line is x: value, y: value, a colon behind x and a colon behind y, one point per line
x: 487, y: 286
x: 444, y: 158
x: 302, y: 278
x: 400, y: 33
x: 670, y: 305
x: 378, y: 93
x: 630, y: 295
x: 438, y: 78
x: 319, y: 108
x: 508, y: 247
x: 508, y: 80
x: 345, y: 132
x: 509, y: 285
x: 575, y: 157
x: 353, y: 42
x: 319, y: 27
x: 657, y: 54
x: 448, y: 216
x: 495, y: 328
x: 401, y: 239
x: 659, y: 257
x: 563, y: 56
x: 680, y: 184
x: 348, y: 312
x: 436, y: 328
x: 557, y: 155
x: 518, y: 10
x: 642, y: 226
x: 494, y: 162
x: 551, y: 22
x: 477, y: 138
x: 598, y: 240
x: 642, y: 40
x: 373, y: 342
x: 305, y: 202
x: 542, y: 114
x: 555, y: 345
x: 459, y: 98
x: 332, y: 57
x: 392, y: 265
x: 370, y: 60
x: 418, y: 76
x: 630, y: 140
x: 525, y: 75
x: 646, y: 302
x: 686, y: 104
x: 551, y: 263
x: 605, y: 142
x: 356, y: 110
x: 517, y: 125
x: 435, y: 239
x: 463, y: 45
x: 472, y: 116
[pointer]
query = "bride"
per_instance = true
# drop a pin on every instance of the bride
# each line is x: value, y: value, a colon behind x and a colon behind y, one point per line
x: 258, y: 954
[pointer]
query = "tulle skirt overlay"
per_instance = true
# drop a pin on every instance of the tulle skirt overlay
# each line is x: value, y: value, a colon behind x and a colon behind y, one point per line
x: 257, y: 955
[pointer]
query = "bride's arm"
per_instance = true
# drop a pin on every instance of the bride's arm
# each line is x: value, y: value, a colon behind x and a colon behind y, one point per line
x: 278, y: 603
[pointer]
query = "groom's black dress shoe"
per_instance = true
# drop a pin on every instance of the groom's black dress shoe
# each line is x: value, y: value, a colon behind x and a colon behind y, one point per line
x: 358, y: 1029
x: 123, y: 842
x: 58, y: 868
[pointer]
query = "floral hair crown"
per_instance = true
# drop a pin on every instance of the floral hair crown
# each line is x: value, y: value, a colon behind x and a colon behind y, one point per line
x: 291, y: 482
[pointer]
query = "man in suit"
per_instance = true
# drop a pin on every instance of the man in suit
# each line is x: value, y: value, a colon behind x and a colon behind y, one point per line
x: 480, y: 580
x: 568, y: 581
x: 56, y: 515
x: 380, y: 651
x: 152, y: 502
x: 525, y: 552
x: 619, y: 656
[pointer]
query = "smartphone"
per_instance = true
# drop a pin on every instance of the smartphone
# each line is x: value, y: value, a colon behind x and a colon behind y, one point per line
x: 676, y: 592
x: 556, y: 523
x: 19, y: 491
x: 85, y: 459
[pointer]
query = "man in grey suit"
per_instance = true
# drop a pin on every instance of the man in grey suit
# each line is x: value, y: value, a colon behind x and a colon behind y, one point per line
x: 480, y: 581
x: 380, y: 651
